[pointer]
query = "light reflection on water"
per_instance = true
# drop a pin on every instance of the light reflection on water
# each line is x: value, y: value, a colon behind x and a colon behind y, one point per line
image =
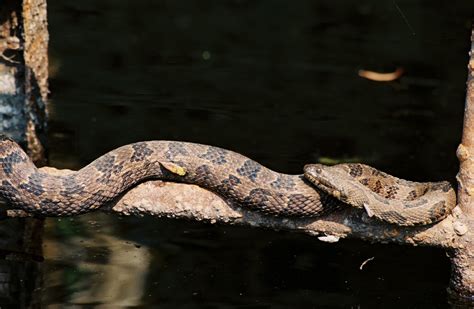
x: 99, y: 267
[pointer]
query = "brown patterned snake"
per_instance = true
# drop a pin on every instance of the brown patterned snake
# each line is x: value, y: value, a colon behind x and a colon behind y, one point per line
x: 229, y: 174
x: 383, y: 196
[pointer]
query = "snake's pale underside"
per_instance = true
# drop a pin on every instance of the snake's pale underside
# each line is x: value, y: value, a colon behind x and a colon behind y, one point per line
x: 236, y: 178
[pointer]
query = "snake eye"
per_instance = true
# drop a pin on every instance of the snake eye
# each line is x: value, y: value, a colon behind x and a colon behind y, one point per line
x: 319, y: 170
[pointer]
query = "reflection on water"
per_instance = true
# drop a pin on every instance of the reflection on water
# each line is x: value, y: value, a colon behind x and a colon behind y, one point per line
x: 274, y: 81
x: 110, y: 261
x: 98, y: 266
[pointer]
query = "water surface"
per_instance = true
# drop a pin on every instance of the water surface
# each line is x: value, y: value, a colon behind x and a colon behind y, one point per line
x: 274, y: 81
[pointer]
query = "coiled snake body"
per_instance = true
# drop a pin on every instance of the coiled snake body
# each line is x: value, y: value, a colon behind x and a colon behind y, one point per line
x: 231, y: 175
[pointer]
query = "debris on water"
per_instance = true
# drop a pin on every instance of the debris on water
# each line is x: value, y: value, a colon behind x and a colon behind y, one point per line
x: 365, y: 262
x: 329, y: 238
x: 381, y: 77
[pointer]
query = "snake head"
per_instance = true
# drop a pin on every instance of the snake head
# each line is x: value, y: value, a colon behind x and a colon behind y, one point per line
x: 334, y: 181
x: 4, y: 138
x: 323, y: 178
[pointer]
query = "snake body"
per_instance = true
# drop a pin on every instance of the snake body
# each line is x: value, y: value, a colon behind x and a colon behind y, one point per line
x: 229, y: 174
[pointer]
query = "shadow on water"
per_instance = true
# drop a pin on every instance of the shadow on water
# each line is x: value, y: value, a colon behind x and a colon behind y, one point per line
x: 278, y: 83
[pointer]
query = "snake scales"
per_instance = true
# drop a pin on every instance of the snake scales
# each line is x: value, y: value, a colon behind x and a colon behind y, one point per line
x: 231, y: 175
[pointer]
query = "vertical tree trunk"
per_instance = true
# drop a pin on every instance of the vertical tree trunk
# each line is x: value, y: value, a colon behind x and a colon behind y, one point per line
x: 462, y: 281
x: 23, y: 92
x: 465, y: 150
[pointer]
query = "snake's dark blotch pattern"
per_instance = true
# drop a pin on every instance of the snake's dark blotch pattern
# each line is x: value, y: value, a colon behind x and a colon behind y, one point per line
x: 229, y: 174
x: 233, y: 176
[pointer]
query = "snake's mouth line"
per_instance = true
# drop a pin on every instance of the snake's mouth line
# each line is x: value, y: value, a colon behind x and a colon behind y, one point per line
x: 324, y: 185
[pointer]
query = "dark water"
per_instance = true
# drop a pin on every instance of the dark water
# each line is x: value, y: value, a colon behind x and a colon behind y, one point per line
x: 276, y: 81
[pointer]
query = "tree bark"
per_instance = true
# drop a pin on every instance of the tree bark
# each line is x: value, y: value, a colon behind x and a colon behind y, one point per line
x: 465, y: 150
x: 462, y: 280
x: 23, y: 91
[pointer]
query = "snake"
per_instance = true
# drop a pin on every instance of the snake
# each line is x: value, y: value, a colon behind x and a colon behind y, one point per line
x: 384, y: 196
x: 231, y: 175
